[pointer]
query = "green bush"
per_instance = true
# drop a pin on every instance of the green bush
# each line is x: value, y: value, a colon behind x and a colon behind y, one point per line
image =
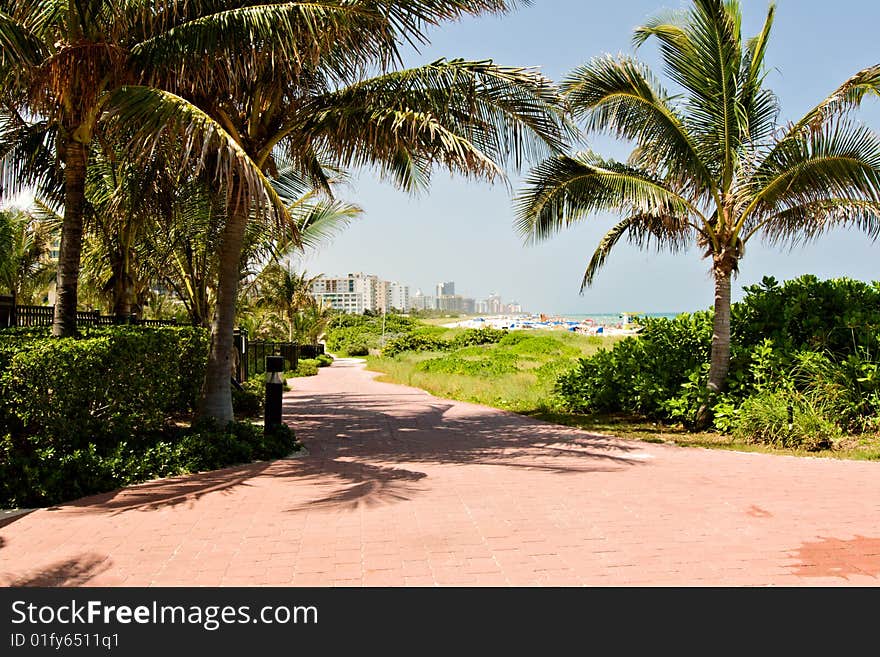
x: 249, y: 401
x: 836, y: 316
x: 763, y: 418
x: 324, y: 360
x: 476, y: 337
x: 305, y: 367
x: 496, y: 364
x: 119, y: 382
x: 816, y: 339
x: 640, y: 374
x: 356, y: 335
x: 43, y: 475
x: 414, y: 342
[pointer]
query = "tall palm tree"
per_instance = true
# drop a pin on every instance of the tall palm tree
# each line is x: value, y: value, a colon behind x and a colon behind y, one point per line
x: 711, y: 165
x: 471, y: 117
x: 67, y: 66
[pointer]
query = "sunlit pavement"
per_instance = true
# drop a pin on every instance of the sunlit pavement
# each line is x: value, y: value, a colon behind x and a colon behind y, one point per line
x: 400, y: 488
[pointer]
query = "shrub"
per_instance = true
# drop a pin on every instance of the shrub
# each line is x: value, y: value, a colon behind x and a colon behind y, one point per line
x: 640, y: 374
x: 45, y: 475
x: 305, y: 367
x: 477, y: 337
x: 356, y: 335
x: 496, y: 364
x: 763, y: 418
x: 121, y: 381
x: 806, y: 337
x: 414, y: 342
x: 836, y: 316
x: 249, y: 401
x: 324, y: 360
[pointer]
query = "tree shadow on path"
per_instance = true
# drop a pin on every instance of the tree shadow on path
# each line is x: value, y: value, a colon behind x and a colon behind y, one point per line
x: 69, y: 572
x: 161, y: 493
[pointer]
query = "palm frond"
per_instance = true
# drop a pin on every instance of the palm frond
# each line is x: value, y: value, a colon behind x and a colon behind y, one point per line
x: 19, y: 46
x: 844, y: 99
x: 667, y: 232
x: 620, y: 96
x: 157, y: 116
x: 288, y: 37
x: 759, y: 106
x: 564, y: 189
x: 27, y: 157
x: 470, y: 117
x: 322, y: 221
x: 808, y: 221
x: 837, y: 161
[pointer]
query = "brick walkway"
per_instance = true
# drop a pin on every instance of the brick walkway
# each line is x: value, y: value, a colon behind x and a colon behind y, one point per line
x: 401, y: 488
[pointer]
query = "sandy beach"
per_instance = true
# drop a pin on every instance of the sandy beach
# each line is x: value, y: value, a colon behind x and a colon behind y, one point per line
x: 544, y: 322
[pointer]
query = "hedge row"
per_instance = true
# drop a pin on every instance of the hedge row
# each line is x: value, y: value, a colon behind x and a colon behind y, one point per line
x: 84, y: 416
x: 119, y: 382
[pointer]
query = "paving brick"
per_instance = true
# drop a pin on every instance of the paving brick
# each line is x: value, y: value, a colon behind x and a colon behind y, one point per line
x: 425, y: 491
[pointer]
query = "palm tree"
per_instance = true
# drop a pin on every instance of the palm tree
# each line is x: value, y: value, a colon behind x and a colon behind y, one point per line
x: 711, y: 165
x: 26, y: 241
x: 311, y: 322
x: 286, y: 292
x: 68, y: 67
x: 471, y: 117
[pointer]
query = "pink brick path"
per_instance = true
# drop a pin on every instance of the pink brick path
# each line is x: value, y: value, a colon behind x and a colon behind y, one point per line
x: 401, y: 488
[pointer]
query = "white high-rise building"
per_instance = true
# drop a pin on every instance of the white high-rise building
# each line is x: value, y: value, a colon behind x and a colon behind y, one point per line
x: 398, y: 296
x: 354, y: 293
x: 391, y: 294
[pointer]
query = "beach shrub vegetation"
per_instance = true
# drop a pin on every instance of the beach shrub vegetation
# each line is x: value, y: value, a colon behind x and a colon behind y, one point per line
x: 496, y: 364
x: 356, y: 335
x: 807, y: 343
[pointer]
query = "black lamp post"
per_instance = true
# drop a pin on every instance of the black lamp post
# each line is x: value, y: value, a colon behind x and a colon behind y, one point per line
x: 274, y: 388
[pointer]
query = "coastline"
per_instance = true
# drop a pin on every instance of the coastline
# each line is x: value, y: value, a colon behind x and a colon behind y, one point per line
x: 605, y: 324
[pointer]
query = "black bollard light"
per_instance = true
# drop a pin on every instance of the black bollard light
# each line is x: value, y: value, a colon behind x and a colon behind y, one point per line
x: 274, y: 388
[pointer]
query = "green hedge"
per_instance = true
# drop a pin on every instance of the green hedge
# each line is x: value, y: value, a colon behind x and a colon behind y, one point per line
x: 84, y: 416
x: 427, y: 340
x: 44, y: 475
x: 119, y: 382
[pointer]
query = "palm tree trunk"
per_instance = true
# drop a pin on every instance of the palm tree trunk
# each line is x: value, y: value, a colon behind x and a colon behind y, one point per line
x: 123, y: 291
x: 720, y: 359
x: 216, y: 397
x: 67, y: 280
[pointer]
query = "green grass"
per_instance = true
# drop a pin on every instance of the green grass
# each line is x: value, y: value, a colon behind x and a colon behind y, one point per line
x: 519, y: 374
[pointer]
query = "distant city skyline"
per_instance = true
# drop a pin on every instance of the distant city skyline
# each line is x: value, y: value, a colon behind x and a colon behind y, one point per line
x: 462, y: 230
x: 357, y: 292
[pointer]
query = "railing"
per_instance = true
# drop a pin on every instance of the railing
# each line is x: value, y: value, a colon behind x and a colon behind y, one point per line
x: 12, y: 315
x: 251, y: 354
x: 310, y: 350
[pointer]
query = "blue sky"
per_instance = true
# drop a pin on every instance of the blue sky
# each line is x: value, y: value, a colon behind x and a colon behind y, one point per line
x: 463, y: 231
